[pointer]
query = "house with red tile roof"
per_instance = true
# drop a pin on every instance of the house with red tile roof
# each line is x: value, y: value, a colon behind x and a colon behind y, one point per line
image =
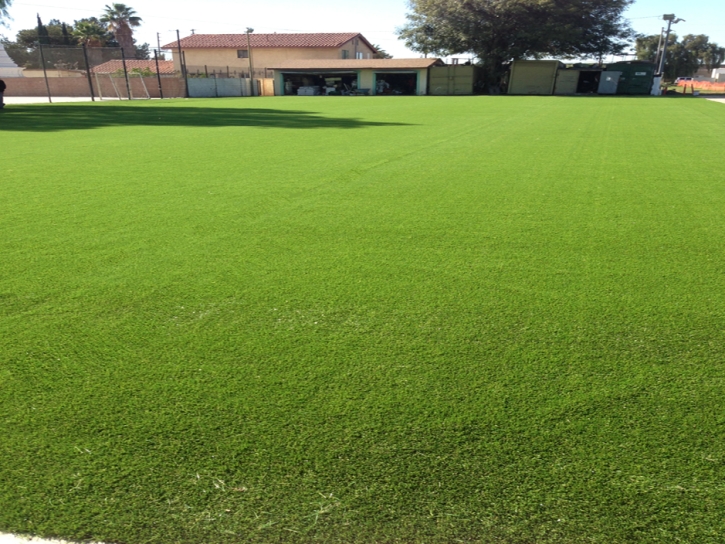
x: 206, y: 53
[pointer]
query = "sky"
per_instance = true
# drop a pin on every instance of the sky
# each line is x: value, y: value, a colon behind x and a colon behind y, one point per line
x: 375, y: 19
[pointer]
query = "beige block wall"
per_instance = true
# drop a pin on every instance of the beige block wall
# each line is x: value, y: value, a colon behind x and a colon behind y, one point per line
x: 265, y: 58
x: 173, y: 87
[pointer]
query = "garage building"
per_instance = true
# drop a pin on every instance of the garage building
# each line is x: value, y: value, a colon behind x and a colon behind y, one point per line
x: 353, y: 76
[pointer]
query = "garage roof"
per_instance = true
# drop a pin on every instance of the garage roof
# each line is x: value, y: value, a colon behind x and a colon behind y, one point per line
x: 355, y: 64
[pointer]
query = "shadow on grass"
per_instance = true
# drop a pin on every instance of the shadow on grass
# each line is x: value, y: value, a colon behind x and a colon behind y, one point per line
x: 86, y: 116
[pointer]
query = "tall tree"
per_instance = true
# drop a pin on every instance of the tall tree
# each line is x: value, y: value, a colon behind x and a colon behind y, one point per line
x: 121, y: 20
x: 497, y: 31
x: 43, y: 35
x: 24, y: 50
x: 66, y: 34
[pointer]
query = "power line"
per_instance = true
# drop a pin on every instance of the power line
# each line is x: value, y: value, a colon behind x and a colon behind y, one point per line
x: 166, y: 18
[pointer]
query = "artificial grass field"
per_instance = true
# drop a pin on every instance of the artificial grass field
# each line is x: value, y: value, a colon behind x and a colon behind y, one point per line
x: 494, y: 319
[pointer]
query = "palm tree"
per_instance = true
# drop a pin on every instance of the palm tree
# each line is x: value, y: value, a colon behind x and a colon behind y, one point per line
x: 121, y: 19
x: 381, y: 53
x: 89, y: 33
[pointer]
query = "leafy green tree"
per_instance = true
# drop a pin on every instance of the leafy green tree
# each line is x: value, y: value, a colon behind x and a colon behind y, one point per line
x: 142, y: 52
x: 24, y: 50
x: 121, y: 20
x: 497, y: 31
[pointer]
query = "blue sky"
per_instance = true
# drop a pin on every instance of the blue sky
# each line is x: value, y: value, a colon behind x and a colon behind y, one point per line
x: 376, y: 19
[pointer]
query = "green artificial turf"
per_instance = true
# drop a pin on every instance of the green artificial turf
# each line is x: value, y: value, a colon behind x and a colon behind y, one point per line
x: 494, y: 319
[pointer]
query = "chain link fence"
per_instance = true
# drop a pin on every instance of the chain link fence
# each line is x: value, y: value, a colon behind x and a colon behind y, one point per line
x: 105, y: 73
x: 95, y: 73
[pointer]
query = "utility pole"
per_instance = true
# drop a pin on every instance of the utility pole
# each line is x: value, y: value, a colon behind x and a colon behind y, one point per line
x: 251, y: 66
x: 671, y: 20
x: 158, y: 41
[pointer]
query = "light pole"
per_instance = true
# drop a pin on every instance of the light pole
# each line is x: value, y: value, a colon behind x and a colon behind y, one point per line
x: 659, y: 47
x: 671, y: 20
x: 251, y: 66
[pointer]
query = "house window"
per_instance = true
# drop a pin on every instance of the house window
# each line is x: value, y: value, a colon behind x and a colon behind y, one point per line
x: 242, y: 54
x: 359, y: 55
x: 345, y: 54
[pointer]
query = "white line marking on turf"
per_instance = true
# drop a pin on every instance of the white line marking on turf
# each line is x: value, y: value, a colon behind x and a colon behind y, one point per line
x: 7, y: 538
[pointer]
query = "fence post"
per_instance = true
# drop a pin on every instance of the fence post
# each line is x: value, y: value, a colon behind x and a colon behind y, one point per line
x: 88, y: 73
x: 182, y: 64
x: 125, y: 73
x: 45, y: 73
x: 158, y: 73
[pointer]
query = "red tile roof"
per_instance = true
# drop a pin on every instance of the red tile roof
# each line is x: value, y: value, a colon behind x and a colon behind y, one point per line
x: 111, y: 66
x: 239, y: 41
x: 355, y: 64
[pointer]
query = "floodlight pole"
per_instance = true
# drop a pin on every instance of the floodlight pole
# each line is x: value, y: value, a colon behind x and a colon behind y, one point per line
x: 671, y: 20
x: 251, y: 66
x: 659, y: 47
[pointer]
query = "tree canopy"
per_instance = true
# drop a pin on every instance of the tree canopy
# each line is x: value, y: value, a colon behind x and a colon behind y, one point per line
x: 4, y: 5
x: 684, y: 57
x: 497, y: 31
x: 121, y: 20
x: 89, y: 31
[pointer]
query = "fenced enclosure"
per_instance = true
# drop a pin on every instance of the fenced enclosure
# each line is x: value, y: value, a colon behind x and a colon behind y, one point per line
x: 97, y: 73
x: 105, y: 73
x: 227, y: 81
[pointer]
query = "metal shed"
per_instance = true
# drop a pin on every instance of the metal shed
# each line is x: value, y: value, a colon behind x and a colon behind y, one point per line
x: 567, y: 81
x: 636, y: 76
x: 452, y: 79
x: 534, y: 77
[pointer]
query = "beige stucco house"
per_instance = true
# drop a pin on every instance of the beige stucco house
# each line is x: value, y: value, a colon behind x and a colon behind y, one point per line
x: 230, y: 52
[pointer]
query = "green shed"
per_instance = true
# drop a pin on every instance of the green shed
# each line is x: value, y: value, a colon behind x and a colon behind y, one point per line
x: 636, y: 78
